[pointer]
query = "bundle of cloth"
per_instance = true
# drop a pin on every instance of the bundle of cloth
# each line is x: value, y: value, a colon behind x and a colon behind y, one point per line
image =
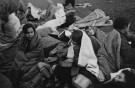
x: 96, y: 18
x: 11, y: 28
x: 88, y: 60
x: 34, y: 11
x: 54, y: 23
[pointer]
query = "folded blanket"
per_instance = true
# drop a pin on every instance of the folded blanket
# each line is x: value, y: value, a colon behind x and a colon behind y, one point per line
x: 95, y: 18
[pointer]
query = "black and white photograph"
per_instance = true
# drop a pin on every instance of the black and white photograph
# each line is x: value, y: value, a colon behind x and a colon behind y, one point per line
x: 67, y: 43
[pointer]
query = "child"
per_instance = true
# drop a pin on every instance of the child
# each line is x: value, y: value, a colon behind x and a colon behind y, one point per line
x: 83, y: 56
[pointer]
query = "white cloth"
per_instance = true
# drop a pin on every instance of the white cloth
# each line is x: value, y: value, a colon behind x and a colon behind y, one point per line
x: 51, y: 24
x: 70, y: 54
x: 54, y: 23
x: 68, y: 33
x: 34, y: 11
x: 87, y: 57
x: 16, y: 23
x: 113, y: 75
x: 60, y: 14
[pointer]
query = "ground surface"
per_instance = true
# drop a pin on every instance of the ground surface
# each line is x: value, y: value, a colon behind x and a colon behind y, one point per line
x: 113, y: 8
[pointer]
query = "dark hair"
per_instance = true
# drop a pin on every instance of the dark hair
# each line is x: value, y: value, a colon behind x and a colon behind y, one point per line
x: 129, y: 78
x: 26, y: 26
x: 121, y: 23
x: 77, y: 36
x: 70, y: 19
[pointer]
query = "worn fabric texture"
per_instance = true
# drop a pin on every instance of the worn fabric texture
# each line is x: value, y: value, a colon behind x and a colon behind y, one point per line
x: 28, y: 56
x: 127, y: 52
x: 109, y: 54
x: 95, y: 18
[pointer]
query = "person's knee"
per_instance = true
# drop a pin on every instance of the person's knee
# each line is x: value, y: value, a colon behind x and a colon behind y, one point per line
x: 40, y: 65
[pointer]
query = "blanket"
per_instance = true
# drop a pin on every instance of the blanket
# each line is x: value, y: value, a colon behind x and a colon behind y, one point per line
x: 34, y: 11
x: 50, y: 11
x: 109, y: 54
x: 95, y: 18
x: 99, y: 34
x: 49, y: 41
x: 44, y: 32
x: 7, y: 35
x: 54, y: 23
x: 29, y: 57
x: 87, y: 57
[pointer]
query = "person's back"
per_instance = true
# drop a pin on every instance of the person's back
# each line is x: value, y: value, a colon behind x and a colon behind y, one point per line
x: 122, y: 24
x: 109, y: 54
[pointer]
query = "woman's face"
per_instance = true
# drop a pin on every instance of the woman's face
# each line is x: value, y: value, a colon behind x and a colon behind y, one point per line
x: 30, y: 33
x: 120, y: 78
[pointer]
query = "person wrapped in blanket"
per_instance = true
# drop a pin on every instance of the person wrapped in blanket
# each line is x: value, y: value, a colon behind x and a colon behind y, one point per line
x: 82, y: 76
x: 9, y: 26
x: 67, y: 56
x: 122, y: 25
x: 27, y: 61
x: 124, y: 78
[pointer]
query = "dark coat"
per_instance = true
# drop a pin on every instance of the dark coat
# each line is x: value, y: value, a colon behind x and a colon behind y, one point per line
x: 126, y: 51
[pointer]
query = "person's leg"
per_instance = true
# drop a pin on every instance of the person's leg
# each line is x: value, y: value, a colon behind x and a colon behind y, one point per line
x: 33, y: 82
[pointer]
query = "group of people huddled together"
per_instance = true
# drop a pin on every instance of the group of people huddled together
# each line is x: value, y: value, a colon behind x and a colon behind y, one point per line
x: 56, y: 55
